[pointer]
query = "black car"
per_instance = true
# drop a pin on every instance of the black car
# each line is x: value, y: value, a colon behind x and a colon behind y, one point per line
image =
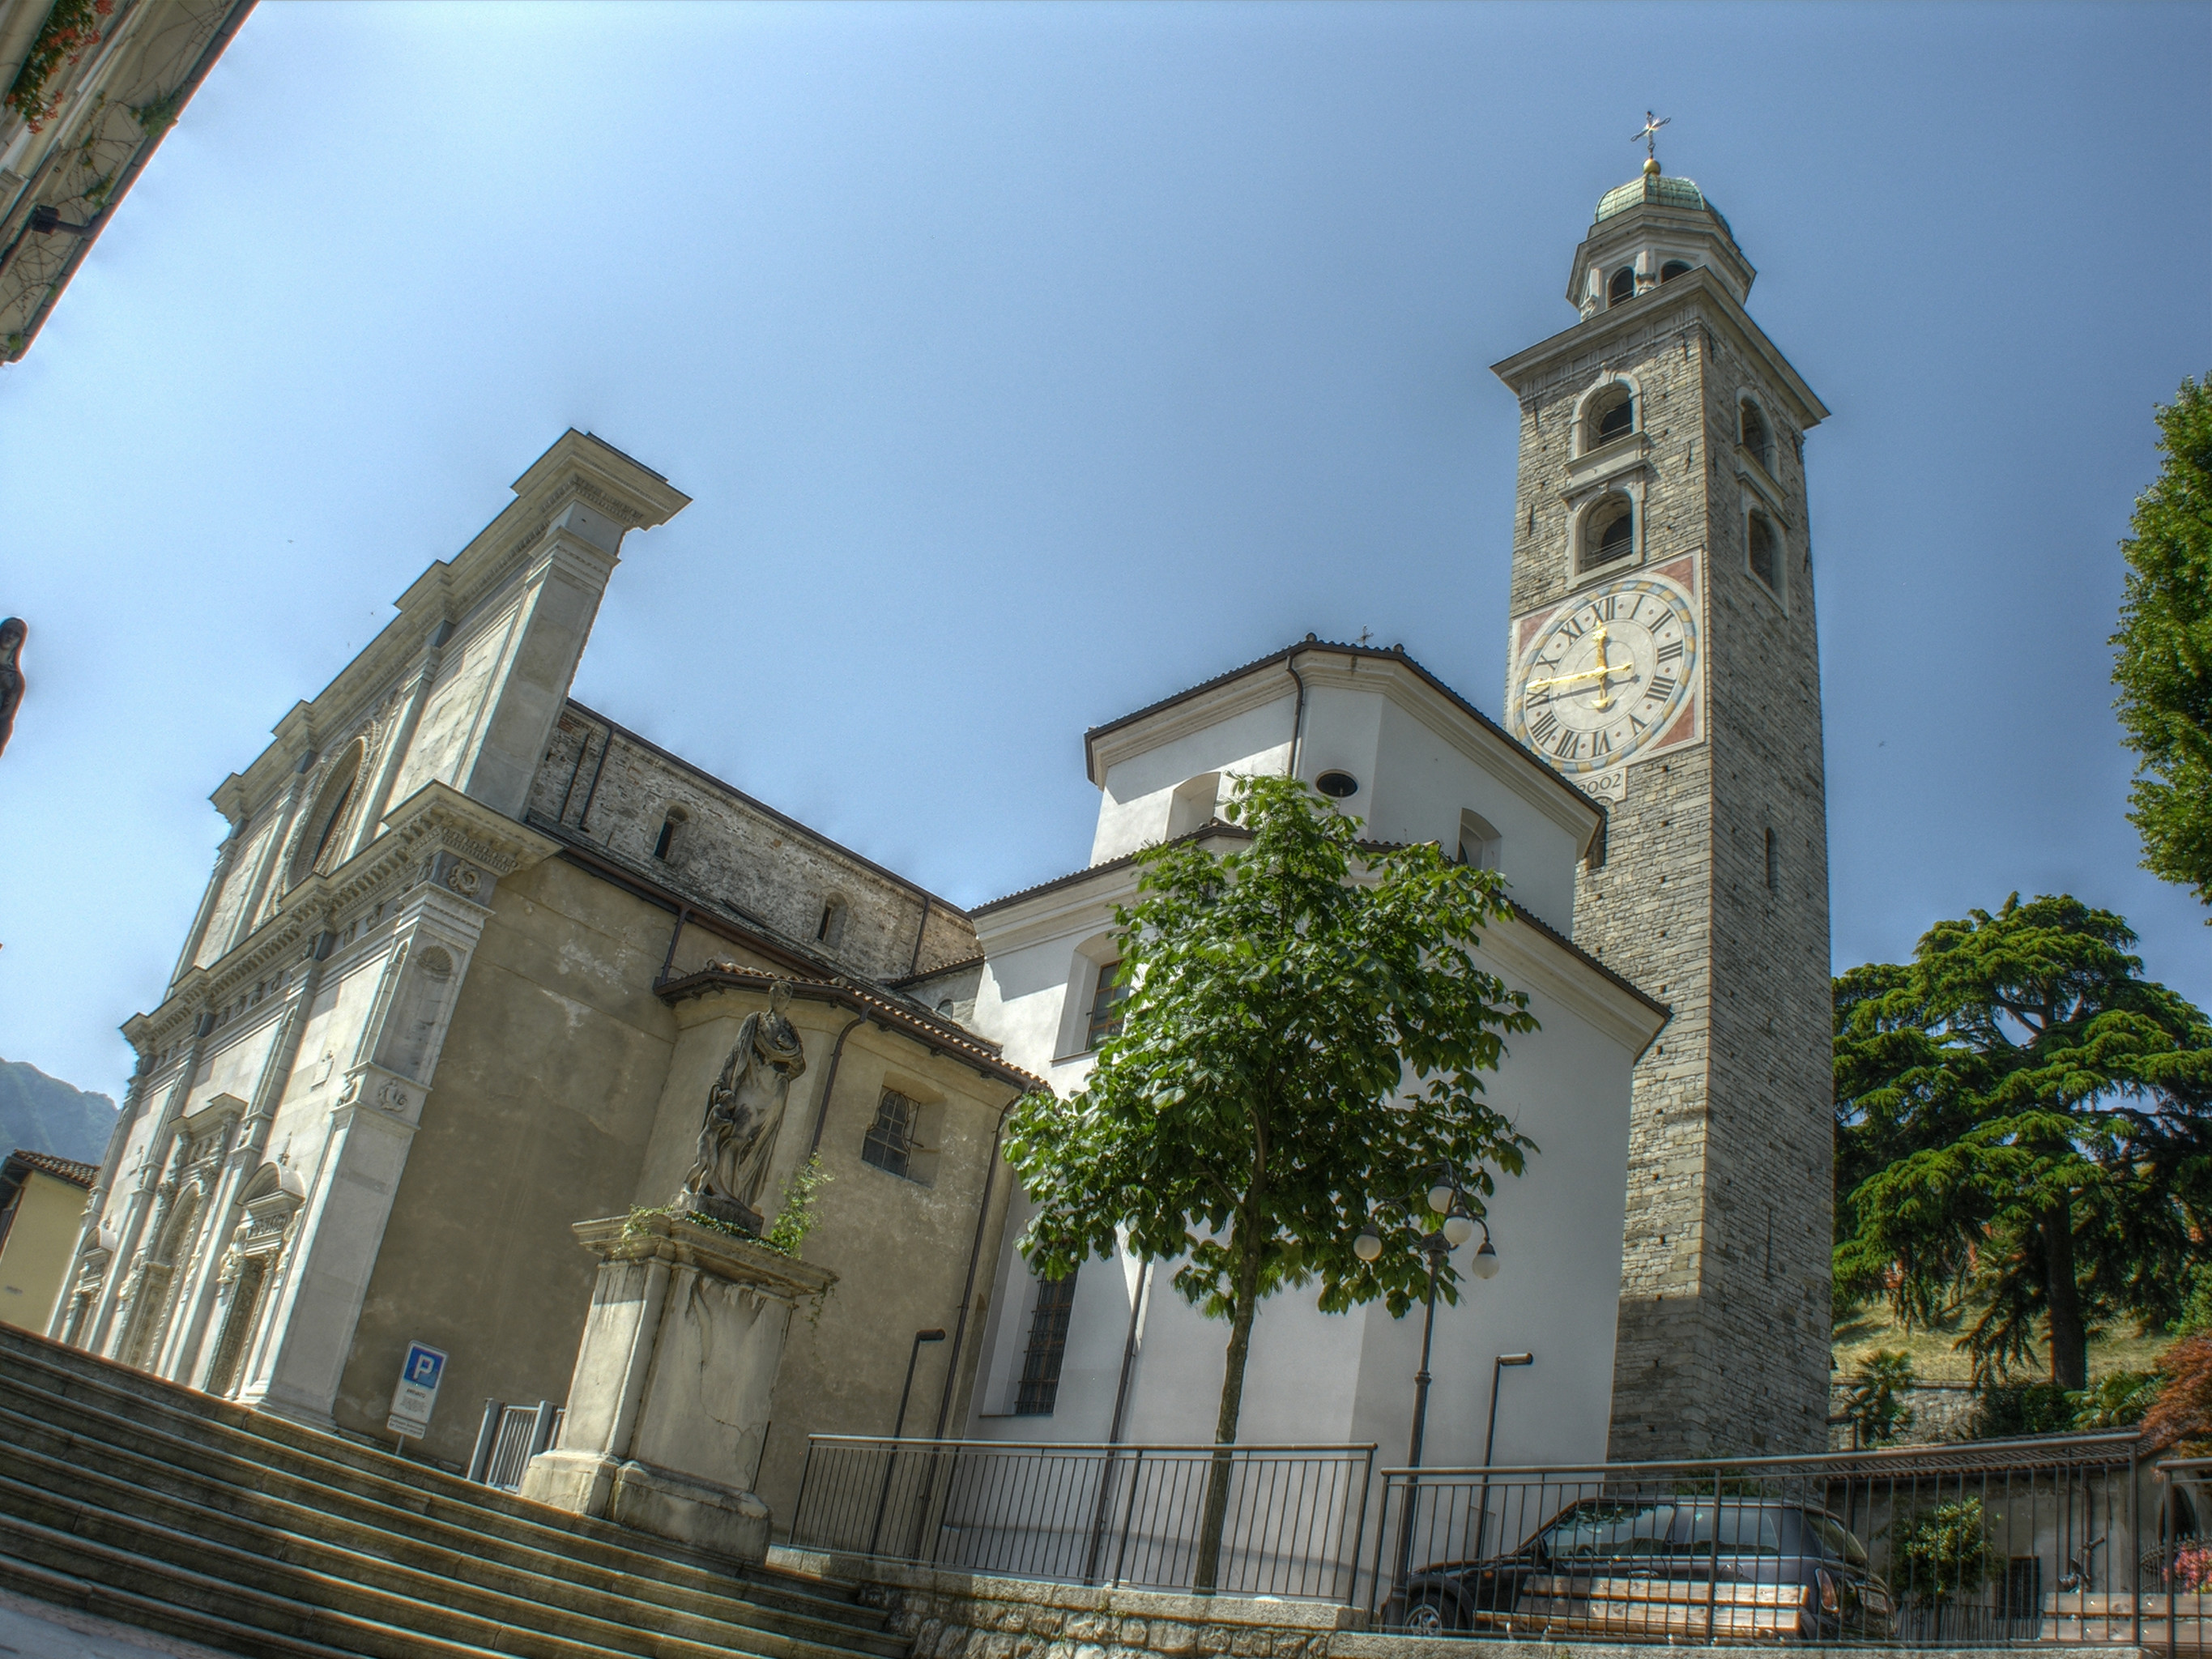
x: 1673, y: 1565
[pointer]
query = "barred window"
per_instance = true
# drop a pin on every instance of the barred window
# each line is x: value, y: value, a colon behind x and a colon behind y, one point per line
x: 1105, y: 1006
x: 890, y: 1141
x: 1040, y: 1383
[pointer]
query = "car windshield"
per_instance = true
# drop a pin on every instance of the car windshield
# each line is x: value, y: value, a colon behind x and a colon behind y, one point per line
x: 1745, y: 1529
x: 1838, y: 1538
x: 1604, y: 1530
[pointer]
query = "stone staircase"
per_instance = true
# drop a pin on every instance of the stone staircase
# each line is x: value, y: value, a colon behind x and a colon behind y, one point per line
x: 144, y: 1502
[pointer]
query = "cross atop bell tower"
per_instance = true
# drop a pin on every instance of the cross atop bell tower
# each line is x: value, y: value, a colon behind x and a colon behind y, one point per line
x: 1663, y: 655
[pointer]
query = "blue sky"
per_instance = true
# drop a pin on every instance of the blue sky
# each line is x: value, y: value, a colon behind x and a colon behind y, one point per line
x: 1026, y: 364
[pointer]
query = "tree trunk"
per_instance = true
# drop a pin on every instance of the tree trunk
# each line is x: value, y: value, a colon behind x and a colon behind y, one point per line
x: 1219, y: 1476
x: 2070, y: 1346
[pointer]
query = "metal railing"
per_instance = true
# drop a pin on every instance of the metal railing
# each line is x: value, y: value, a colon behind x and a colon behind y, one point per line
x: 2175, y: 1575
x: 510, y: 1437
x: 1122, y: 1515
x: 1967, y: 1545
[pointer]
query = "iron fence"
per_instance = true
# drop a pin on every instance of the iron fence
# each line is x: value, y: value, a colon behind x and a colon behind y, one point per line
x: 1968, y: 1545
x: 2176, y: 1572
x: 1126, y: 1515
x: 510, y: 1437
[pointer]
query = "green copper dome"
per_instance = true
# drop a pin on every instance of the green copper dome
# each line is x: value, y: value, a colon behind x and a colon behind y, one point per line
x: 1657, y: 188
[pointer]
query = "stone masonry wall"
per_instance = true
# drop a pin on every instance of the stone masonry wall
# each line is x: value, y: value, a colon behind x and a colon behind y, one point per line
x: 733, y: 854
x: 959, y: 1615
x: 1772, y: 1078
x: 1722, y: 1343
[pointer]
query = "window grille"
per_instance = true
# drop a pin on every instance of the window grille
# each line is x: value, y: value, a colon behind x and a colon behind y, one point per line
x: 1040, y: 1383
x: 891, y: 1141
x: 1105, y: 1006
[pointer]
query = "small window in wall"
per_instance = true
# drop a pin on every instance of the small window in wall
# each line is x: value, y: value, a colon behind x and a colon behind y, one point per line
x: 890, y: 1139
x: 1106, y: 999
x: 1611, y: 413
x: 1479, y: 842
x: 1763, y: 549
x: 1672, y: 269
x: 1622, y: 286
x: 1773, y: 863
x: 1040, y: 1382
x: 1755, y: 434
x: 671, y: 829
x: 830, y: 930
x: 1608, y: 531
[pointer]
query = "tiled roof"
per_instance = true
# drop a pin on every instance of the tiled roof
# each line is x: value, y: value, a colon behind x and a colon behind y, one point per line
x: 67, y: 1168
x: 928, y: 1030
x: 1394, y: 654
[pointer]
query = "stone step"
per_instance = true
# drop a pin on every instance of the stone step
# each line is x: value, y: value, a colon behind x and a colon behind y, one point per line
x: 250, y: 1444
x: 332, y: 1461
x: 141, y: 1499
x: 170, y: 1597
x: 140, y: 1472
x: 339, y: 1576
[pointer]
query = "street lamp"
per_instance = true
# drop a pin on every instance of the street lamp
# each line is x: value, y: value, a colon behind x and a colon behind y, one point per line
x: 890, y: 1459
x: 1448, y: 1199
x: 1490, y: 1440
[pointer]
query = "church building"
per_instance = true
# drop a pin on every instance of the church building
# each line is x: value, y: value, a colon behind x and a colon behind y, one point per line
x: 474, y: 955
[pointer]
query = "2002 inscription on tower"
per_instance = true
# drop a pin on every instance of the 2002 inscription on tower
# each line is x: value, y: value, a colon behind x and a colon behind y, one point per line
x: 1610, y: 675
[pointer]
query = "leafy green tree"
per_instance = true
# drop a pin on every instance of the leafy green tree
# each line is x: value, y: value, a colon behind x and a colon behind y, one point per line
x: 2022, y: 1116
x: 1943, y: 1552
x: 2164, y: 668
x: 1302, y: 1043
x: 1875, y: 1405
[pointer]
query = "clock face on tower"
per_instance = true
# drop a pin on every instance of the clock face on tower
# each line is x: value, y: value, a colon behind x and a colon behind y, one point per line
x: 1606, y: 676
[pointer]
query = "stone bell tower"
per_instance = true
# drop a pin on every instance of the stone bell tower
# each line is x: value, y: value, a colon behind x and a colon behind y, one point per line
x: 1663, y: 656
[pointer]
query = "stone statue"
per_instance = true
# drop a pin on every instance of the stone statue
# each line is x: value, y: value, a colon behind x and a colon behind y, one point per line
x: 11, y: 675
x: 744, y: 1114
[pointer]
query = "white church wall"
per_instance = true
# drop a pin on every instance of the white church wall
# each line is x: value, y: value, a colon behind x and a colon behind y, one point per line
x: 1424, y: 781
x: 1322, y: 1377
x: 1139, y: 792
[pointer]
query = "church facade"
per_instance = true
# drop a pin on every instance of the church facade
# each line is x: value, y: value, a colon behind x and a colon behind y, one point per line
x: 473, y: 956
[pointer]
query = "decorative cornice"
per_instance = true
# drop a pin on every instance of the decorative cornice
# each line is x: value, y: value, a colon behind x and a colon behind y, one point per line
x: 579, y: 467
x: 435, y: 819
x: 703, y: 1249
x: 1700, y: 295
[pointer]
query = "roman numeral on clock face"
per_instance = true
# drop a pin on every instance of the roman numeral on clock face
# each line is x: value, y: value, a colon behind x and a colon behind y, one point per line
x: 1568, y: 744
x: 1542, y: 730
x: 1660, y: 688
x: 1672, y: 653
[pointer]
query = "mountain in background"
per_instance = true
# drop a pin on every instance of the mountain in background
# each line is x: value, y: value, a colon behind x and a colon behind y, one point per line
x: 42, y: 1114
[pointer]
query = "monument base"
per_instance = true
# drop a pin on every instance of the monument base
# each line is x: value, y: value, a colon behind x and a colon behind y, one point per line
x: 669, y: 1408
x: 691, y: 1511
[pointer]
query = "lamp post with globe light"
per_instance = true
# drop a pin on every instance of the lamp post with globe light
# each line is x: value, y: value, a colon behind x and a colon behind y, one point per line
x: 1446, y: 1198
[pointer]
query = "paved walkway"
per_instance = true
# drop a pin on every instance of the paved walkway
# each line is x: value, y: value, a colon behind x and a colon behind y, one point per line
x: 31, y: 1629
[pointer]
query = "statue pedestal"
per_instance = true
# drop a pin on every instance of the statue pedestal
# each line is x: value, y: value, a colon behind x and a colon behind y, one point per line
x: 670, y: 1402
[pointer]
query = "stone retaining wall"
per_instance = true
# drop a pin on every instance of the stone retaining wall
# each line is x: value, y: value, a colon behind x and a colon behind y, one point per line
x: 960, y: 1616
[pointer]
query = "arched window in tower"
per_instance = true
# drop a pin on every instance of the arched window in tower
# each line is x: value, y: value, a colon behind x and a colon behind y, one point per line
x: 1622, y: 286
x: 671, y: 832
x: 1763, y: 552
x: 319, y: 837
x: 1608, y: 531
x: 1610, y: 415
x: 1672, y: 269
x: 1754, y: 434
